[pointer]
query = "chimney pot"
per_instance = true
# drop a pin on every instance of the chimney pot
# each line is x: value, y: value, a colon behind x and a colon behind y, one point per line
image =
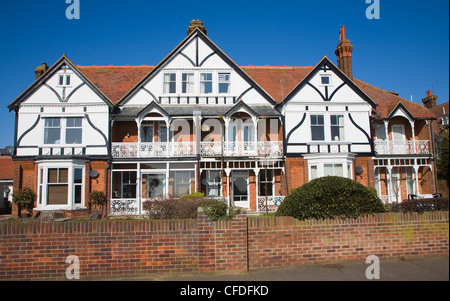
x: 196, y: 24
x: 430, y: 101
x: 344, y: 53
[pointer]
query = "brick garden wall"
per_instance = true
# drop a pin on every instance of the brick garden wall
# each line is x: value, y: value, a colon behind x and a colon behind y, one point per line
x: 30, y: 251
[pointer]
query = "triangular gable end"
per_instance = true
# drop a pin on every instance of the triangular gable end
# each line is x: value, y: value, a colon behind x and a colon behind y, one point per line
x: 63, y: 61
x: 326, y: 64
x: 240, y: 105
x: 401, y: 107
x: 148, y: 109
x: 197, y: 62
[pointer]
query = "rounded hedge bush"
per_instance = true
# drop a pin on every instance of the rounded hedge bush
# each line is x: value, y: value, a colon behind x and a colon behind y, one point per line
x: 331, y: 197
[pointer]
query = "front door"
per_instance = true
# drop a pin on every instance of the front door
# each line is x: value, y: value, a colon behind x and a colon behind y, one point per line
x: 153, y: 186
x: 240, y: 191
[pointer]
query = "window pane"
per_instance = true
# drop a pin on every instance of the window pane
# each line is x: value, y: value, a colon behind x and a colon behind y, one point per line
x: 73, y: 136
x: 325, y: 80
x: 317, y: 133
x: 67, y: 80
x: 63, y: 175
x: 182, y: 182
x: 224, y: 82
x: 77, y: 195
x: 57, y: 194
x: 313, y: 172
x: 338, y: 170
x: 52, y: 175
x: 61, y: 80
x: 206, y: 83
x: 78, y: 175
x: 328, y: 170
x: 52, y: 136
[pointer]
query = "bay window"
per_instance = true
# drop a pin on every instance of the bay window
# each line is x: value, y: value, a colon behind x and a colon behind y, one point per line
x: 60, y: 185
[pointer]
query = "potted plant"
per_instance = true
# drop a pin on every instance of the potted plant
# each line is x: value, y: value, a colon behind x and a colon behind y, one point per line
x: 96, y: 199
x: 24, y: 199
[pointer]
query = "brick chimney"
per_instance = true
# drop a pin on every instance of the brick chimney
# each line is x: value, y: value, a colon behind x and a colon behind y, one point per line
x: 344, y: 53
x: 430, y: 101
x: 194, y: 24
x: 40, y: 70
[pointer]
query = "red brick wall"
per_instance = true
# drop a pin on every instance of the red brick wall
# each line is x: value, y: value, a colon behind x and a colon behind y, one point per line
x: 284, y: 241
x: 39, y: 250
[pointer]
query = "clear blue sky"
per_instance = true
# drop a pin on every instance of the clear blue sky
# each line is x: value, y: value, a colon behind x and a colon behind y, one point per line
x: 406, y: 50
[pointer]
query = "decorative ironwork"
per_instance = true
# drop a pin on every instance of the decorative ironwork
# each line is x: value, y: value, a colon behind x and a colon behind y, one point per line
x: 409, y: 147
x: 124, y: 207
x: 273, y: 202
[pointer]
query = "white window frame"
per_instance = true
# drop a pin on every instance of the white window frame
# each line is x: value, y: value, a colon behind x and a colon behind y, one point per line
x: 317, y: 125
x: 329, y: 80
x: 319, y: 162
x: 167, y: 84
x: 202, y: 81
x: 210, y: 182
x: 66, y: 80
x: 340, y: 127
x: 42, y: 185
x: 62, y: 131
x: 176, y: 176
x: 227, y: 82
x: 189, y: 82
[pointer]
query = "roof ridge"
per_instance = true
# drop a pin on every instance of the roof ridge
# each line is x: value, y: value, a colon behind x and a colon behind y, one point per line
x: 277, y: 67
x: 115, y: 66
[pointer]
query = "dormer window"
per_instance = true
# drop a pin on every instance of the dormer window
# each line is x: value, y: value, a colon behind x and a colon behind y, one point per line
x: 64, y: 80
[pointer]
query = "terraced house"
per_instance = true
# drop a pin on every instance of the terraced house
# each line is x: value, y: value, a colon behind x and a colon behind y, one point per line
x: 199, y: 122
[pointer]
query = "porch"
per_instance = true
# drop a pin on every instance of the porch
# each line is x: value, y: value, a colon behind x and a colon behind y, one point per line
x: 248, y: 183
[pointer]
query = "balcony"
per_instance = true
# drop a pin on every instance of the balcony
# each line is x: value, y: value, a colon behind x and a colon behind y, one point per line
x: 408, y: 147
x: 188, y: 149
x: 242, y: 148
x: 152, y: 149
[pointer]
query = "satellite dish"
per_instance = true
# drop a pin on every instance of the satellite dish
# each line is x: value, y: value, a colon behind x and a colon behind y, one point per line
x: 93, y: 173
x: 359, y: 170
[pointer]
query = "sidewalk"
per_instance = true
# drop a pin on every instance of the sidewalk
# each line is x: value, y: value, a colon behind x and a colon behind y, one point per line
x: 409, y: 269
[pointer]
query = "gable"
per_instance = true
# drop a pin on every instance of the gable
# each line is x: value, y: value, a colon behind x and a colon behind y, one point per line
x: 62, y: 83
x: 197, y: 55
x: 339, y: 89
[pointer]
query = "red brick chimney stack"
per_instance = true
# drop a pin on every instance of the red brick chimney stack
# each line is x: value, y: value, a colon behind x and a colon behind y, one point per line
x: 344, y: 53
x: 430, y: 101
x: 40, y: 70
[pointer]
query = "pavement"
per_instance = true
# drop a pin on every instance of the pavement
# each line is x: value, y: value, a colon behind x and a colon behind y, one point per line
x: 402, y: 269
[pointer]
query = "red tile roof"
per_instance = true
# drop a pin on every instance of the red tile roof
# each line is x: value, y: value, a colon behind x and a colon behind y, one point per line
x: 278, y: 82
x: 115, y: 81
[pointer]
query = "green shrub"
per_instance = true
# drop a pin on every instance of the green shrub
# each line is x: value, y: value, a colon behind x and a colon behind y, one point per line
x: 218, y: 210
x: 331, y: 197
x: 24, y: 198
x: 193, y: 195
x: 422, y: 205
